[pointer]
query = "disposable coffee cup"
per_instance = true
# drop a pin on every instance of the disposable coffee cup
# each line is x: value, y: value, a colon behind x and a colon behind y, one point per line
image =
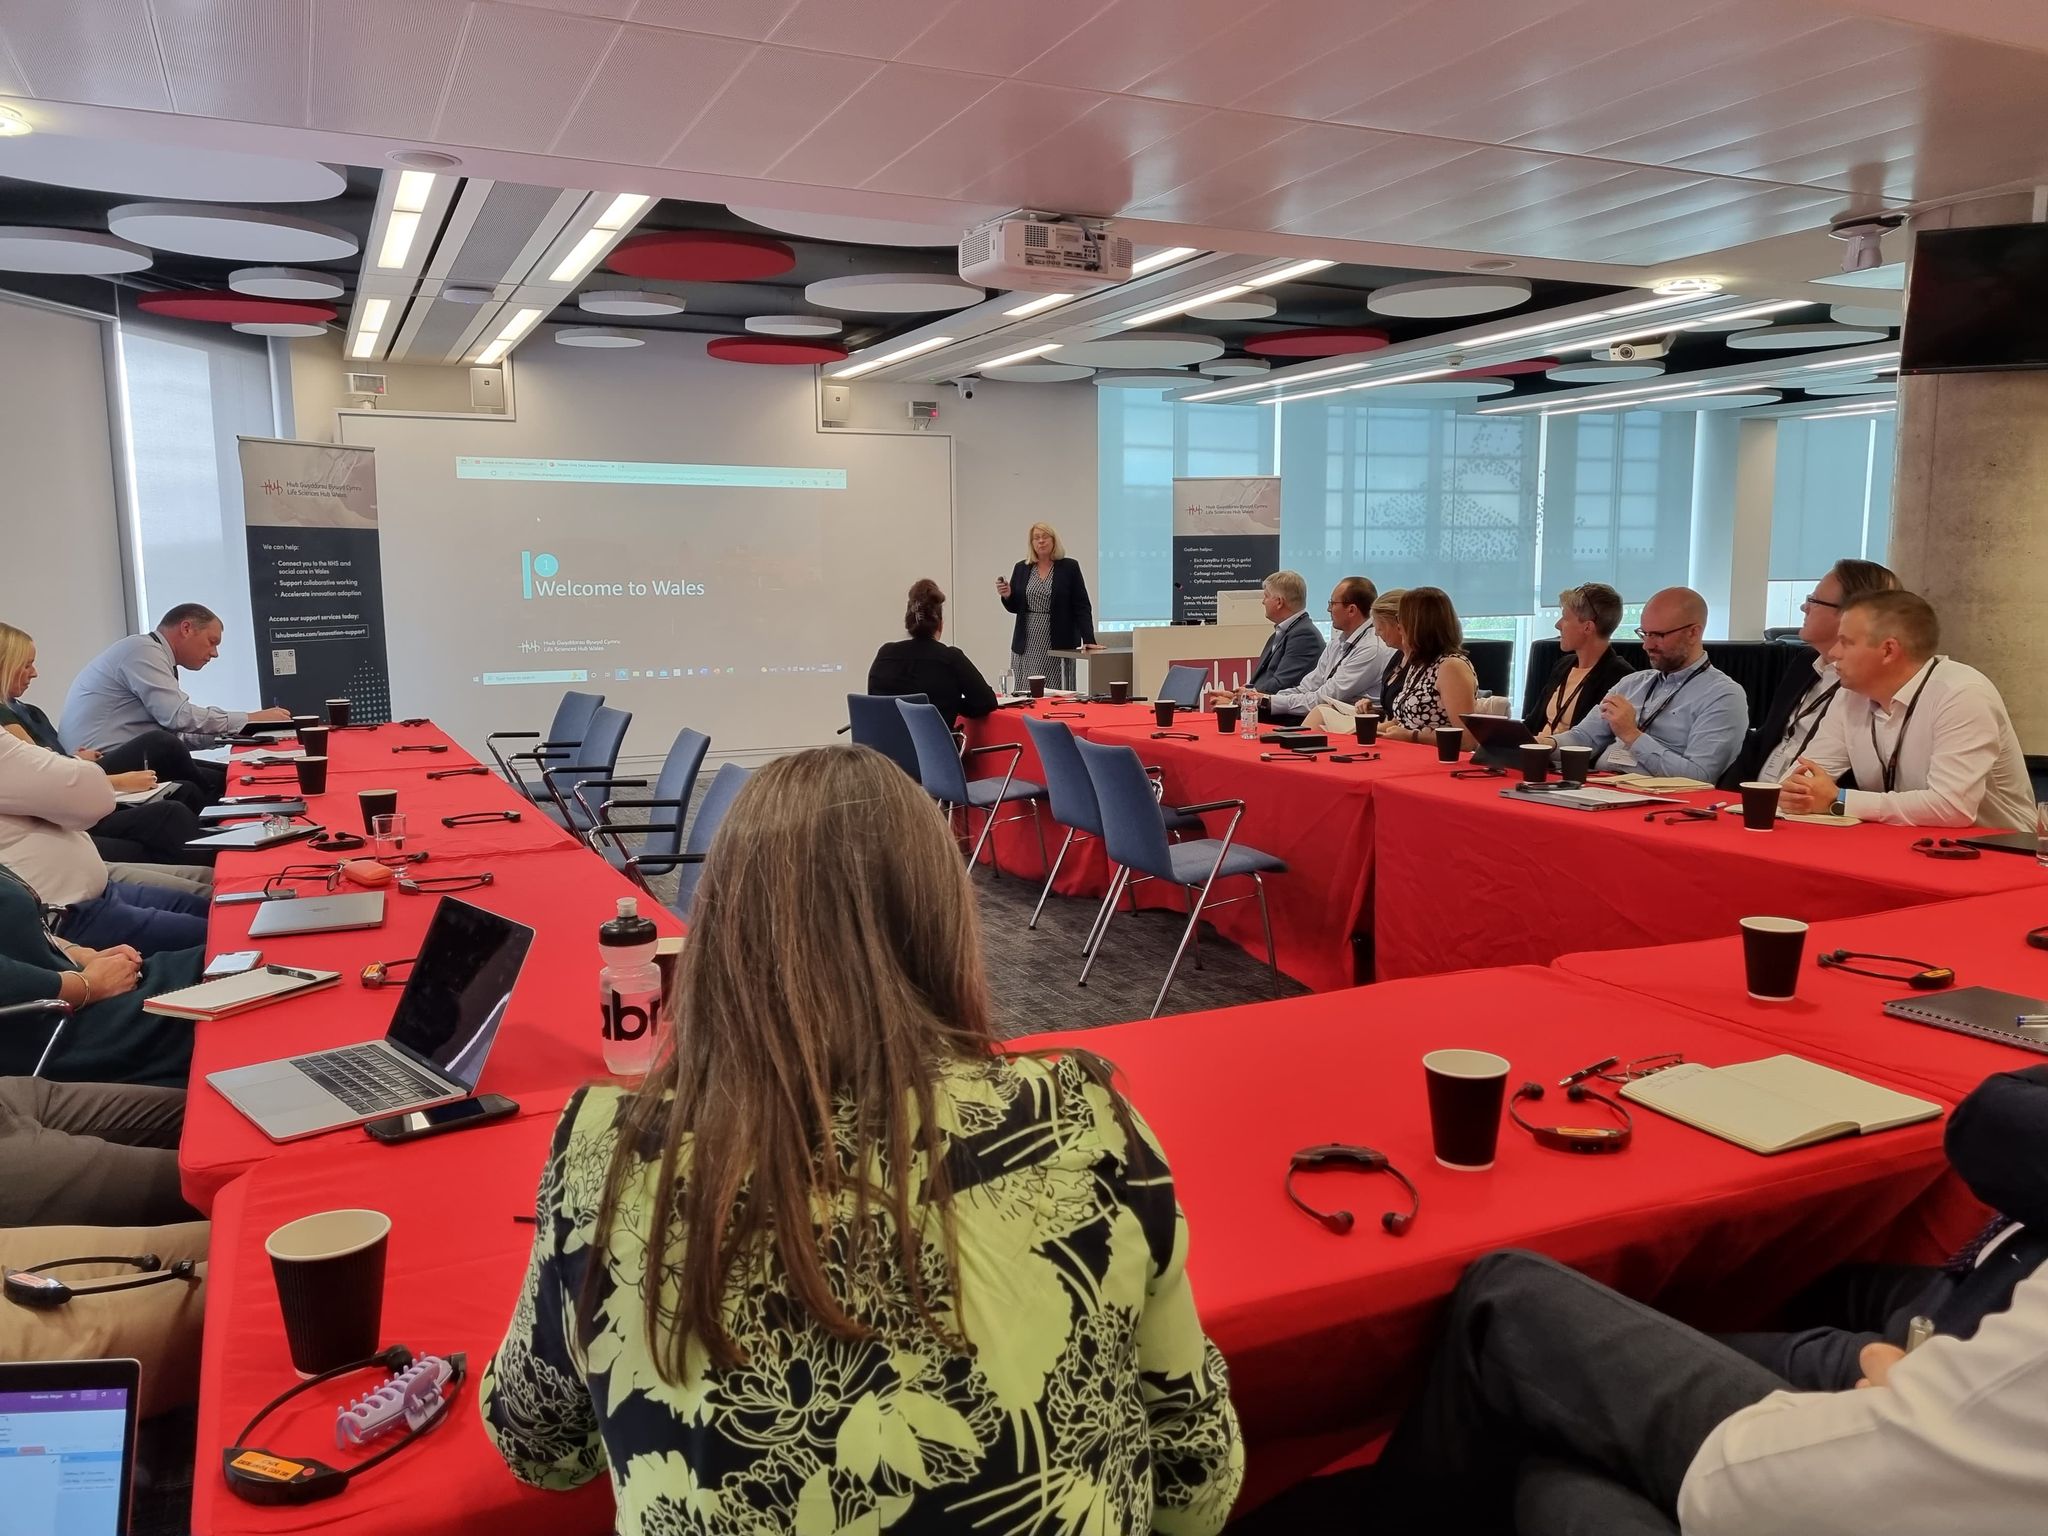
x: 313, y: 739
x: 337, y: 713
x: 1367, y: 728
x: 1449, y: 738
x: 329, y: 1270
x: 312, y: 775
x: 303, y: 723
x: 1772, y: 948
x: 1119, y: 693
x: 1227, y: 717
x: 1535, y: 761
x: 375, y: 803
x: 1036, y: 683
x: 1466, y: 1091
x: 1759, y: 805
x: 1574, y: 763
x: 1162, y: 711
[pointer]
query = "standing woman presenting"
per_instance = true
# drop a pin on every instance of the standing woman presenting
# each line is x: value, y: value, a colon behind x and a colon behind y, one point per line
x: 1050, y: 599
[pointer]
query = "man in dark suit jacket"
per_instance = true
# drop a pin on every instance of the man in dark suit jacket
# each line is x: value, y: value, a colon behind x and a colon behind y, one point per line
x: 1296, y: 645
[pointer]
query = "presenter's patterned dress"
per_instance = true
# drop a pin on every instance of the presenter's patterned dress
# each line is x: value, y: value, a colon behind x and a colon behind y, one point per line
x: 1090, y: 1400
x: 1038, y: 660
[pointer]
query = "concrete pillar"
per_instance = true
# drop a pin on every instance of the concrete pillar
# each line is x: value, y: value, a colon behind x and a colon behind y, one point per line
x: 1734, y: 477
x: 1970, y: 510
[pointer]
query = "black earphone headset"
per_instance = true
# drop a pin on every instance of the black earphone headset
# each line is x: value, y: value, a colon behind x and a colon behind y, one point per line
x: 31, y: 1287
x: 335, y: 842
x: 1576, y: 1138
x: 475, y: 818
x: 1922, y: 977
x: 2038, y: 937
x: 1335, y: 1154
x: 1944, y: 848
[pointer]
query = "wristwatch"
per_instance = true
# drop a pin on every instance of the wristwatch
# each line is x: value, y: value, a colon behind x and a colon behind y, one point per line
x: 1840, y: 805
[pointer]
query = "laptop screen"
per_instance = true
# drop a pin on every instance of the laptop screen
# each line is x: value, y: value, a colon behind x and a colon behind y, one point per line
x: 63, y: 1461
x: 459, y: 989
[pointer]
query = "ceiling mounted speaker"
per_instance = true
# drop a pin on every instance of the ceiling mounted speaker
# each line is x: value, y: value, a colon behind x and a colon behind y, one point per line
x: 1444, y: 298
x: 467, y: 293
x: 1776, y: 338
x: 1235, y: 367
x: 894, y: 293
x: 285, y: 283
x: 140, y: 167
x: 75, y: 252
x: 600, y: 336
x: 627, y: 301
x: 1253, y: 306
x: 795, y: 325
x: 1141, y: 349
x: 197, y: 229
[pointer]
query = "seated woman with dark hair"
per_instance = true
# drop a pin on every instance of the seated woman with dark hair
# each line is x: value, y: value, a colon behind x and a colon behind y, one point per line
x: 1438, y: 686
x: 924, y: 664
x: 1589, y: 668
x: 840, y: 1263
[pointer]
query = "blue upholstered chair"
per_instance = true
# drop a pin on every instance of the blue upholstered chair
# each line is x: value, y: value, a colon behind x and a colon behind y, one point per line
x: 942, y: 770
x: 596, y: 758
x: 878, y: 723
x: 564, y: 738
x: 660, y: 840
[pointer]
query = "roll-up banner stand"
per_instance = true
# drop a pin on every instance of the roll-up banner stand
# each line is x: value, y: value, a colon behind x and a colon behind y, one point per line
x: 1226, y: 538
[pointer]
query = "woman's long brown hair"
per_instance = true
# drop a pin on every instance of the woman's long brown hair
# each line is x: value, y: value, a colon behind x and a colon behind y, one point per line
x: 833, y: 955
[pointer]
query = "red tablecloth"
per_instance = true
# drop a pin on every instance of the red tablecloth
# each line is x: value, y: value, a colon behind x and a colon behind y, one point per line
x: 1839, y: 1017
x: 1464, y: 878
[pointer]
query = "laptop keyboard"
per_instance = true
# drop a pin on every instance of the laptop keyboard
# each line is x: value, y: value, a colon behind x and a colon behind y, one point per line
x: 367, y: 1079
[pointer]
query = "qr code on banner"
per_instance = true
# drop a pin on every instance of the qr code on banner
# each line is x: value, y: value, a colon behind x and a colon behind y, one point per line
x: 284, y: 663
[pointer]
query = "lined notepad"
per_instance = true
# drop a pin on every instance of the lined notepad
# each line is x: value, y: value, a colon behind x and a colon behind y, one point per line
x: 235, y: 994
x: 1776, y: 1104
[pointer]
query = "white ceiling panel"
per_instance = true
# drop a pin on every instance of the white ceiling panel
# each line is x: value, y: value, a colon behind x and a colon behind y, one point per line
x: 997, y: 39
x: 1086, y: 167
x: 1212, y: 141
x: 1307, y: 151
x: 645, y: 92
x: 1335, y: 193
x: 12, y: 81
x: 552, y: 56
x: 861, y: 29
x: 751, y: 19
x: 1128, y: 40
x: 236, y: 58
x: 771, y: 104
x: 1015, y: 115
x: 617, y: 10
x: 1263, y: 46
x: 383, y: 63
x: 898, y: 108
x: 87, y: 50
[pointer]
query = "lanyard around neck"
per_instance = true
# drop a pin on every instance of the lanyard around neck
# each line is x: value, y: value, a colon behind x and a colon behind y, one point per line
x: 1644, y: 722
x: 1890, y: 765
x: 1565, y: 701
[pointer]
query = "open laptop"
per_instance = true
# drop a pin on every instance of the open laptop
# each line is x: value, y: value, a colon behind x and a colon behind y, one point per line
x: 1499, y: 739
x: 67, y: 1445
x: 318, y: 914
x: 433, y: 1052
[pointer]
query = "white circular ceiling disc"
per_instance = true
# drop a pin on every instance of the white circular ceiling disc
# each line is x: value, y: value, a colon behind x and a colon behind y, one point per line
x: 1603, y: 373
x: 1851, y: 387
x: 1776, y: 338
x: 1443, y: 298
x: 627, y: 301
x: 1036, y: 373
x: 279, y: 328
x: 1142, y: 349
x: 596, y: 336
x: 1159, y: 378
x: 150, y: 168
x: 1236, y: 368
x: 850, y: 229
x: 76, y: 252
x: 1728, y: 402
x: 1862, y: 318
x: 1253, y: 306
x: 284, y: 283
x: 197, y: 229
x: 893, y: 293
x: 1436, y: 389
x: 795, y: 325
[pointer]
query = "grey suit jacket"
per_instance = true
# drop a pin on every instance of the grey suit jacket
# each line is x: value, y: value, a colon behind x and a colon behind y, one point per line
x: 1289, y: 656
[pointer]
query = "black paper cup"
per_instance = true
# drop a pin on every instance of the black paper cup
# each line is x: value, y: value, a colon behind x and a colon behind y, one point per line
x: 1367, y: 728
x: 312, y: 775
x: 375, y: 803
x: 329, y: 1270
x: 1466, y: 1091
x: 1535, y: 761
x: 1772, y: 948
x: 1036, y: 683
x: 1574, y: 763
x: 1227, y: 716
x: 337, y: 712
x: 1119, y: 693
x: 301, y: 722
x: 1162, y: 711
x: 1449, y: 739
x: 1759, y: 805
x: 313, y: 738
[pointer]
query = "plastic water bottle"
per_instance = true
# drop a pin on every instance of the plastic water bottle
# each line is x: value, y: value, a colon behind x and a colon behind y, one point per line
x: 629, y: 990
x: 1247, y: 715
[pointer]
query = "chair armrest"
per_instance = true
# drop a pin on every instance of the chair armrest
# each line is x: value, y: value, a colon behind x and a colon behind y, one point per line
x: 513, y: 736
x: 549, y: 773
x: 615, y: 830
x: 614, y: 783
x: 60, y: 1015
x: 1210, y: 805
x: 643, y: 805
x: 1014, y: 747
x: 40, y: 1005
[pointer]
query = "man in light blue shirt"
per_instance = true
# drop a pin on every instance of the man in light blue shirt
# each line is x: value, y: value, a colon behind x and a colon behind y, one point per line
x: 131, y: 688
x: 1681, y: 718
x: 1352, y: 663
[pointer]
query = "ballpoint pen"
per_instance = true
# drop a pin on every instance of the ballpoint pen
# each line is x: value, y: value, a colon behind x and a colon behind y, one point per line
x: 286, y: 970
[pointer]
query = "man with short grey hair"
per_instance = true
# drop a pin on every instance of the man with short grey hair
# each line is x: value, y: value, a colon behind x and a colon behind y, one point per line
x: 131, y: 688
x: 1296, y: 644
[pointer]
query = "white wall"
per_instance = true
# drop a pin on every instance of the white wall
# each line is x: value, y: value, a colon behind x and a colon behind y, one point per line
x: 318, y: 372
x: 60, y: 557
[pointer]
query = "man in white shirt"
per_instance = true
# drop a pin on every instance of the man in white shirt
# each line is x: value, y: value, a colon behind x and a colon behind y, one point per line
x: 1927, y: 737
x: 131, y: 688
x: 1352, y: 663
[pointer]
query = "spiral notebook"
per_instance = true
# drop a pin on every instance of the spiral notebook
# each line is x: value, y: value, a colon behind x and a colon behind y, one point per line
x: 1981, y: 1011
x: 1776, y: 1104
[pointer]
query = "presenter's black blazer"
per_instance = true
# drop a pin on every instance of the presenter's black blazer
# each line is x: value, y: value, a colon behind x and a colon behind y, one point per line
x: 1073, y: 620
x: 941, y: 672
x: 1607, y: 671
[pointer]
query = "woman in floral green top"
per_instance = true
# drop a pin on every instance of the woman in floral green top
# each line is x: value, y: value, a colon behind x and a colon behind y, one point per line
x: 840, y: 1265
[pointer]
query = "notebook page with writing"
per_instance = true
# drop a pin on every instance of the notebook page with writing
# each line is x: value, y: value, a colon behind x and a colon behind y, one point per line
x: 1770, y: 1108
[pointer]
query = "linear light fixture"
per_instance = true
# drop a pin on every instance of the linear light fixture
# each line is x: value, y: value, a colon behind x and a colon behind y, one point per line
x: 1017, y: 357
x: 1619, y: 396
x: 584, y: 253
x: 1165, y: 258
x: 1585, y: 407
x: 1292, y: 378
x: 516, y: 327
x: 1182, y: 306
x: 1345, y: 389
x: 1037, y: 306
x: 1875, y: 364
x: 869, y: 364
x: 402, y: 224
x: 369, y: 323
x: 1878, y: 409
x: 1288, y: 274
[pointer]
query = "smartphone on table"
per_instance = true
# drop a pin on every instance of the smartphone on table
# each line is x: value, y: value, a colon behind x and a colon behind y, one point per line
x: 457, y: 1115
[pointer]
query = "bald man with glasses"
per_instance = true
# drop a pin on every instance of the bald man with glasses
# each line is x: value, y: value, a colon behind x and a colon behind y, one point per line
x: 1682, y: 717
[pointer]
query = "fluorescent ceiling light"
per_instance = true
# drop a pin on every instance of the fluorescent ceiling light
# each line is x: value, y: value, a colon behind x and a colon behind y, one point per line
x: 514, y: 328
x: 1165, y: 258
x: 1663, y: 301
x: 1594, y: 344
x: 1018, y: 357
x: 398, y: 236
x: 1285, y: 274
x: 1037, y: 306
x: 1292, y: 378
x: 622, y: 211
x: 1861, y: 410
x: 868, y: 364
x: 1875, y: 364
x: 1182, y: 306
x: 1345, y: 389
x: 414, y: 188
x: 372, y: 316
x: 365, y: 345
x: 582, y: 256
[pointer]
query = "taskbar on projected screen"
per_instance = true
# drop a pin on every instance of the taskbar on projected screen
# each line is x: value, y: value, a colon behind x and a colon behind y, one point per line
x: 632, y: 674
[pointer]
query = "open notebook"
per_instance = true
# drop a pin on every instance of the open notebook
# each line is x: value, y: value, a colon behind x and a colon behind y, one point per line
x: 1776, y: 1104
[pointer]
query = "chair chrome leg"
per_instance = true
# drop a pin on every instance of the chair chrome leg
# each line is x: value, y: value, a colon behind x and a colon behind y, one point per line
x: 1038, y: 824
x: 1050, y: 876
x: 988, y: 826
x: 1102, y: 908
x: 1188, y: 891
x: 1272, y: 961
x: 1123, y: 876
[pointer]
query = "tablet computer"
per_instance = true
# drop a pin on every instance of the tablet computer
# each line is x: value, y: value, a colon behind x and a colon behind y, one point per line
x: 68, y: 1428
x: 1499, y: 739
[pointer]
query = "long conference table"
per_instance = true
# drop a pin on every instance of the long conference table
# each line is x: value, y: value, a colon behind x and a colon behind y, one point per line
x: 1324, y: 1334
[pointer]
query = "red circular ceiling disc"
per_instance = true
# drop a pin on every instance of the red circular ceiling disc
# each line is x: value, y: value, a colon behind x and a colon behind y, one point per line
x: 700, y: 256
x: 1509, y: 370
x: 774, y: 349
x: 225, y: 308
x: 1319, y: 341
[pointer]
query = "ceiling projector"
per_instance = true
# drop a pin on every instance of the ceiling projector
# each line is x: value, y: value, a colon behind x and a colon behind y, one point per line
x: 1864, y: 233
x: 1645, y: 349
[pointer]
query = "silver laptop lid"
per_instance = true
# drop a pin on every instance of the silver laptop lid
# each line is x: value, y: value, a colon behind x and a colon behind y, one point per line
x: 459, y: 989
x: 318, y: 914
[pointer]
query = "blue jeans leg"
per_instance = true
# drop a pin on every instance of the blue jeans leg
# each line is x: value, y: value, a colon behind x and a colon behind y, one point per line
x: 153, y: 919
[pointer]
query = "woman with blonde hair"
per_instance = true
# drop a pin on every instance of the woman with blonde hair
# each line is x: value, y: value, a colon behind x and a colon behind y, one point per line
x: 1386, y: 625
x: 1438, y: 686
x: 841, y: 1263
x: 1587, y: 667
x: 1050, y: 598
